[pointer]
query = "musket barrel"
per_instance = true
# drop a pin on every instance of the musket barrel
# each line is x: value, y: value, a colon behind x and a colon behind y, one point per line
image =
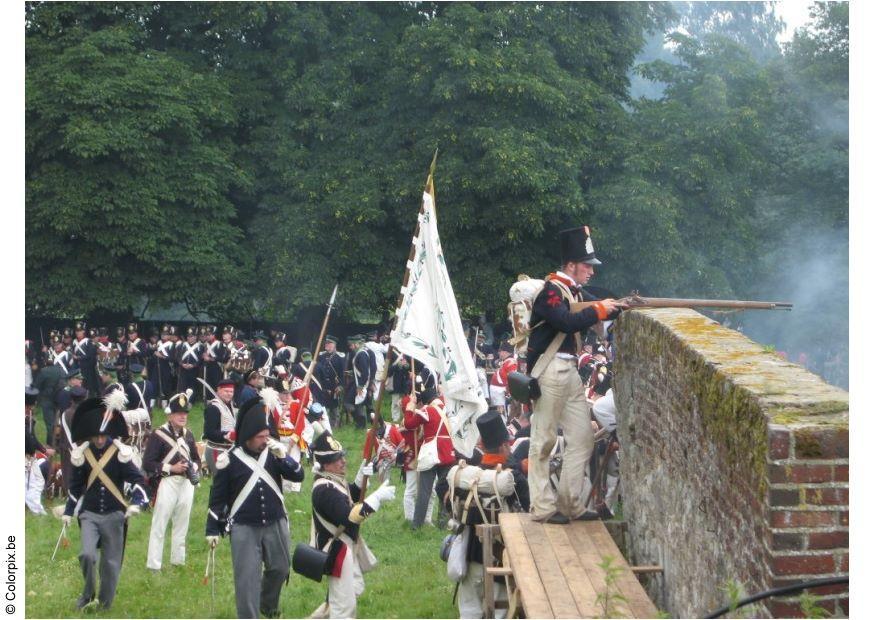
x: 669, y: 302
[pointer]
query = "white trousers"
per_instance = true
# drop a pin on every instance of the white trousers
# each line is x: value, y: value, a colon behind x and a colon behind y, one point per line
x: 294, y: 452
x: 484, y: 385
x: 34, y: 483
x: 343, y: 591
x: 411, y: 487
x: 173, y: 503
x: 397, y: 414
x: 497, y: 396
x: 562, y: 403
x: 471, y: 593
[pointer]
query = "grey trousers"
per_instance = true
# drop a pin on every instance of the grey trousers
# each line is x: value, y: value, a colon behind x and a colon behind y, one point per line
x: 252, y: 546
x: 427, y: 480
x: 108, y: 530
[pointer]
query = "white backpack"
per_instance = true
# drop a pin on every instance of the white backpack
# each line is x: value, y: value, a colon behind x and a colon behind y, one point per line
x: 519, y: 311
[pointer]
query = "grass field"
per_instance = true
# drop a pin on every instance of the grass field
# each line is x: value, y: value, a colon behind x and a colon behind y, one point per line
x: 410, y: 581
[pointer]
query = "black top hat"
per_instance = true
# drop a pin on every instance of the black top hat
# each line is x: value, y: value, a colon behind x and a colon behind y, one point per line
x: 575, y: 246
x: 133, y: 328
x: 251, y: 420
x: 80, y: 326
x: 191, y: 330
x: 179, y: 403
x: 279, y: 336
x: 30, y: 394
x: 165, y: 330
x: 92, y: 332
x: 93, y: 417
x: 67, y: 333
x: 492, y: 429
x: 326, y: 448
x: 228, y: 329
x: 119, y: 332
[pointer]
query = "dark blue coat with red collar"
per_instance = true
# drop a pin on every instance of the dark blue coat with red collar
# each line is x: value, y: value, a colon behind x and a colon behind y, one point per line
x: 551, y: 313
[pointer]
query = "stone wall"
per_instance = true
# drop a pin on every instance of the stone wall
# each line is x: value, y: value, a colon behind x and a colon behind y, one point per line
x: 734, y: 464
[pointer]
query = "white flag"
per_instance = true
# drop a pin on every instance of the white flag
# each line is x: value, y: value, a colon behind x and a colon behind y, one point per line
x: 428, y: 329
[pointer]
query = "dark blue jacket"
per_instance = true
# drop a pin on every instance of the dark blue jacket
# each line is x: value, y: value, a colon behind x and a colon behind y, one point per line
x: 554, y: 314
x: 262, y: 506
x: 97, y: 497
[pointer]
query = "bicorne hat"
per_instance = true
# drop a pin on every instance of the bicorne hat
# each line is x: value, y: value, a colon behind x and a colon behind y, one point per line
x: 100, y: 416
x: 325, y: 447
x: 251, y: 420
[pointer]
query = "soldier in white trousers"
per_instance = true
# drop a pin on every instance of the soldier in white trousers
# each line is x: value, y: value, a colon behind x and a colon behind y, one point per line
x: 172, y: 462
x: 552, y: 359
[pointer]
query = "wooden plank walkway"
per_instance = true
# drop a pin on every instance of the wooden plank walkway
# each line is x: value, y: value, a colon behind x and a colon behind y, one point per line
x: 555, y: 569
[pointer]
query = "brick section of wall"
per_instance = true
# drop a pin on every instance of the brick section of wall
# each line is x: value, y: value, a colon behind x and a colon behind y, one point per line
x: 734, y: 465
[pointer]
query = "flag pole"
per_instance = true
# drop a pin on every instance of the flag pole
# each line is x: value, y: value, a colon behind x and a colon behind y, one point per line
x: 381, y: 389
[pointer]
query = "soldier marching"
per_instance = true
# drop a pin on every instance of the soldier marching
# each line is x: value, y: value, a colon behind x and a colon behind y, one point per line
x: 263, y: 429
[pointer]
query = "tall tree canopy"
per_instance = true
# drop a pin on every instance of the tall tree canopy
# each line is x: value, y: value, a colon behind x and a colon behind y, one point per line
x: 242, y: 157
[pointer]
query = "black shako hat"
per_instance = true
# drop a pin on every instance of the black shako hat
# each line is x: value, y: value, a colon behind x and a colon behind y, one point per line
x: 326, y: 448
x: 251, y: 420
x: 99, y: 416
x: 493, y: 432
x: 575, y: 246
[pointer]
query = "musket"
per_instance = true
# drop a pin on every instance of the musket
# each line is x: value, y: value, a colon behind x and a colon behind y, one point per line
x: 637, y: 301
x: 312, y: 368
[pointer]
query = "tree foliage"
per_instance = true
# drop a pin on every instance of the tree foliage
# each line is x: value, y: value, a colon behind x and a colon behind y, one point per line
x: 243, y: 157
